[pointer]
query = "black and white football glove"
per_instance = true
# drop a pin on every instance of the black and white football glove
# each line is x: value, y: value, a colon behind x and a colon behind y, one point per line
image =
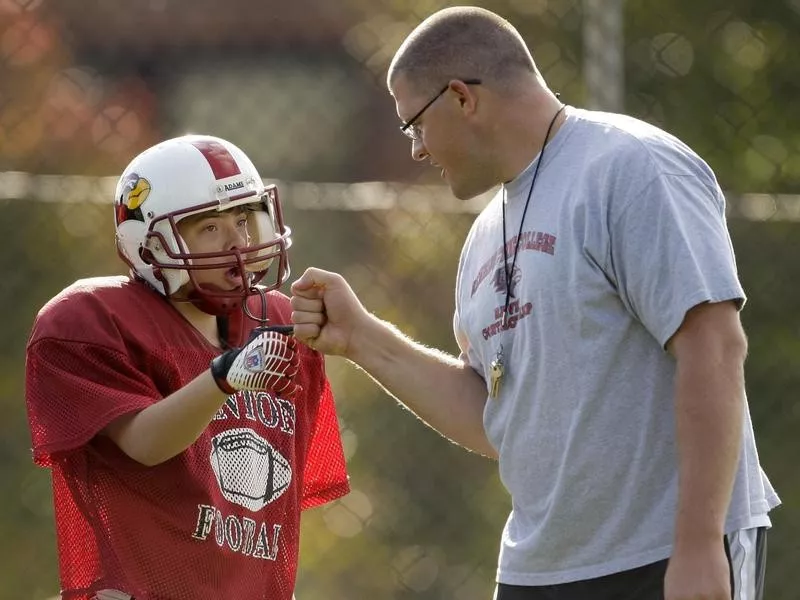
x: 268, y: 362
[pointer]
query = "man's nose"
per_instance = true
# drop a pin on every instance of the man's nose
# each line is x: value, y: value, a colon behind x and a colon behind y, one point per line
x: 418, y: 150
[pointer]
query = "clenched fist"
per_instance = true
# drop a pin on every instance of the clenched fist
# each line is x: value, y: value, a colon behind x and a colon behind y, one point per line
x: 268, y: 362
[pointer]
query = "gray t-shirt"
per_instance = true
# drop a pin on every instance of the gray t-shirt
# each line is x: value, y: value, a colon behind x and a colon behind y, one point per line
x: 625, y: 232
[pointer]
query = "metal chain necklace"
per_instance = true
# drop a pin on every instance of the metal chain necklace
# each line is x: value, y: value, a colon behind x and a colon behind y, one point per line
x: 497, y: 367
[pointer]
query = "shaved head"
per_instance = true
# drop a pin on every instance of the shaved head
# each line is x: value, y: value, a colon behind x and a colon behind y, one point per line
x: 461, y: 43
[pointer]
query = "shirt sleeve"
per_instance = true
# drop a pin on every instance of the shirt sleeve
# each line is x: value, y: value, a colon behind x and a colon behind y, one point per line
x: 325, y: 475
x: 74, y: 389
x: 468, y: 354
x: 670, y: 250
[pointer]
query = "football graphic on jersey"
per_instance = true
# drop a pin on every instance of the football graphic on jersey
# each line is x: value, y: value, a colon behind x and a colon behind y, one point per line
x: 249, y: 470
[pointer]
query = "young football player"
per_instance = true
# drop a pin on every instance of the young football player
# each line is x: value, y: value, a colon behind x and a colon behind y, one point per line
x: 184, y: 426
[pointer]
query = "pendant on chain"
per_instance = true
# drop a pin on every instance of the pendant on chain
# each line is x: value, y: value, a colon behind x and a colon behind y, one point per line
x: 496, y: 371
x: 497, y: 368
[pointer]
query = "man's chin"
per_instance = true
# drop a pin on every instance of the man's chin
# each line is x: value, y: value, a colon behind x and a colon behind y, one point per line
x: 463, y: 192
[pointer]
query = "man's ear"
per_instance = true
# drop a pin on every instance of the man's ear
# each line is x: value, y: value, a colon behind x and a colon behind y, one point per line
x: 466, y: 98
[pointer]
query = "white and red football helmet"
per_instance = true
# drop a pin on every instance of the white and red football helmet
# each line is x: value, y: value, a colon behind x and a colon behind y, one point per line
x: 185, y: 176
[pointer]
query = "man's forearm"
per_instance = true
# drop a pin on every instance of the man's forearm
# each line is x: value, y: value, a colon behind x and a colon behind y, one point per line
x: 440, y: 389
x: 709, y: 412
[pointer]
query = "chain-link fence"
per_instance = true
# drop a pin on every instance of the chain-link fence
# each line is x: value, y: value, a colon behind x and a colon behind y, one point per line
x: 85, y: 84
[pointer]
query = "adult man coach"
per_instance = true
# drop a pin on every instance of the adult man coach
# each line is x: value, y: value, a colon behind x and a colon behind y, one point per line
x: 597, y: 312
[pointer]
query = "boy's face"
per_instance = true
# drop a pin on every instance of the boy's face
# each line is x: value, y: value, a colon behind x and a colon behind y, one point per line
x: 214, y: 231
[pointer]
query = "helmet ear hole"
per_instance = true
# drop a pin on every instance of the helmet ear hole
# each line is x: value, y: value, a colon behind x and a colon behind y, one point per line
x: 147, y: 256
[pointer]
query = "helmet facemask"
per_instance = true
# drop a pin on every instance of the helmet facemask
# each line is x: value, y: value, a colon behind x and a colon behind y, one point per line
x: 265, y: 254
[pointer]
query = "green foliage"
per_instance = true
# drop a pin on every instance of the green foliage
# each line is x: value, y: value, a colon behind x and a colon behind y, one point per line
x: 722, y: 79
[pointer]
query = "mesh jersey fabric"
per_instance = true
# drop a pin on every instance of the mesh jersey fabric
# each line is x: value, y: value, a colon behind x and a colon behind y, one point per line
x: 221, y: 519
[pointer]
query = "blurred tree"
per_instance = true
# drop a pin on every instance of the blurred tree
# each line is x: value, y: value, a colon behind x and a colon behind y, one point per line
x: 723, y: 79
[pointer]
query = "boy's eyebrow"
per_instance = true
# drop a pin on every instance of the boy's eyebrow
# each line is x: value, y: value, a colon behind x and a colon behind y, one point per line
x: 213, y: 214
x: 197, y: 218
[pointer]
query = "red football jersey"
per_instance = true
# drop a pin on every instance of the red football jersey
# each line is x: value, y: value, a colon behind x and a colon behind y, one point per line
x: 221, y: 519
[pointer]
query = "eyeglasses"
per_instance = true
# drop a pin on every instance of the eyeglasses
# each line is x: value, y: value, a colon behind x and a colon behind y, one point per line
x: 414, y: 132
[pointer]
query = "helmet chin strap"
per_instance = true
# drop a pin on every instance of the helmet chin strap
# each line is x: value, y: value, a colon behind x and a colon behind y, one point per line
x: 213, y: 304
x: 221, y: 306
x: 217, y: 301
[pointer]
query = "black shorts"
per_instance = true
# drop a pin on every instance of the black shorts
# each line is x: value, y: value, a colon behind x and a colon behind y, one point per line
x: 747, y: 557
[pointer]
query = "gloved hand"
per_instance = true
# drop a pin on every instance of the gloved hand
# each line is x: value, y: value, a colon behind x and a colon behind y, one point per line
x: 269, y: 361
